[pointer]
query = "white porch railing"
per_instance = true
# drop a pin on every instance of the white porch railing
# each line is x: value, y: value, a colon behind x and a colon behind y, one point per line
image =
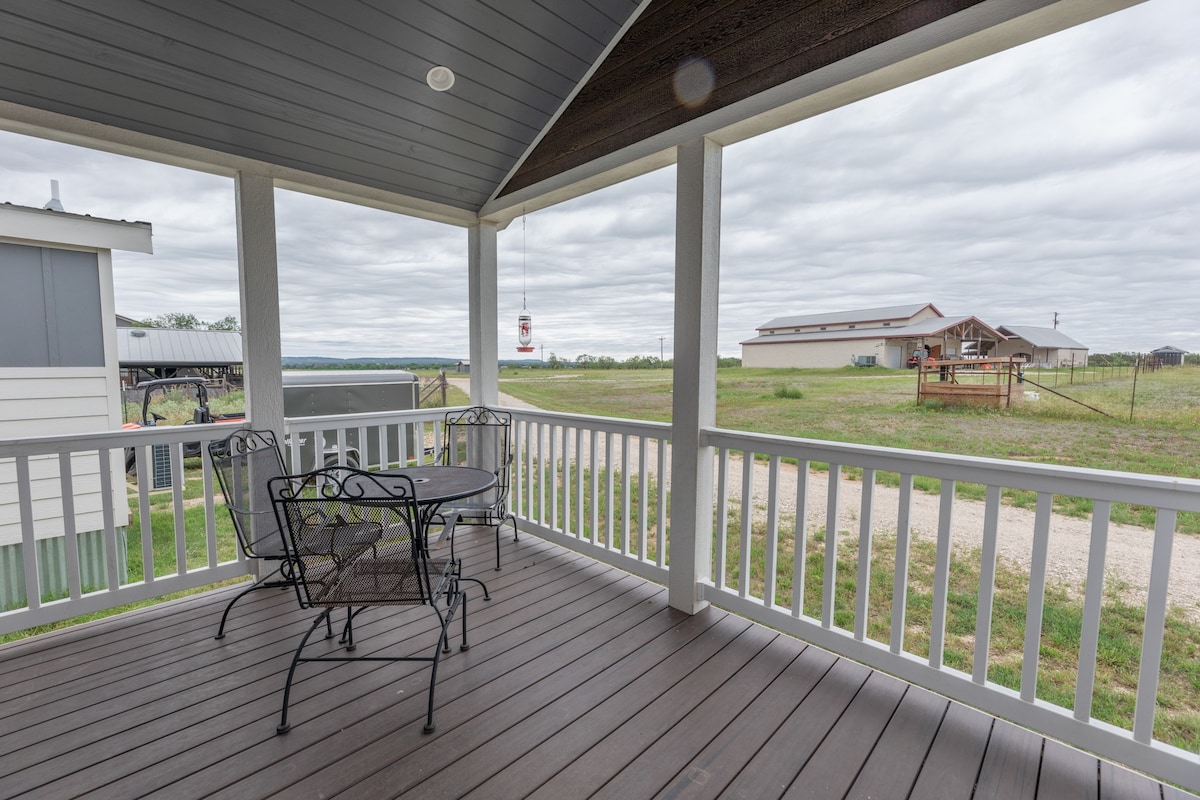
x: 600, y: 486
x: 594, y: 485
x: 757, y: 571
x: 67, y: 490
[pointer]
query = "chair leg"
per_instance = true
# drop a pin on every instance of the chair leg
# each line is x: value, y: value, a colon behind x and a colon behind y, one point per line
x: 284, y: 726
x: 444, y: 646
x: 262, y: 583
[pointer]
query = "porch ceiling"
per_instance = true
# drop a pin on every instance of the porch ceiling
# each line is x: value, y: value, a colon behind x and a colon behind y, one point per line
x: 551, y: 100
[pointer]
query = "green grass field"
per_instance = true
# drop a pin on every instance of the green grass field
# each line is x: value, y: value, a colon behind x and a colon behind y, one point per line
x: 879, y: 407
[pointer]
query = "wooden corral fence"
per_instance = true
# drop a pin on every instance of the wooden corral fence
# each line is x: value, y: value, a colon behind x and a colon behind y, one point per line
x: 990, y: 382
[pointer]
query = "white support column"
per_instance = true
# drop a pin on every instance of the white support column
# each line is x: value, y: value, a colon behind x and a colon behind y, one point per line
x: 258, y: 280
x: 694, y: 406
x: 481, y: 304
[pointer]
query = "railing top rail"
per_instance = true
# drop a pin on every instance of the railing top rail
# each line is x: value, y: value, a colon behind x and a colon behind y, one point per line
x: 369, y: 418
x: 1162, y: 491
x: 114, y: 440
x: 658, y: 430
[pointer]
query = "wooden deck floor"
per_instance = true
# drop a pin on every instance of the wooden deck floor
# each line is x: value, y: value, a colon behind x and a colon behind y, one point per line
x: 581, y: 682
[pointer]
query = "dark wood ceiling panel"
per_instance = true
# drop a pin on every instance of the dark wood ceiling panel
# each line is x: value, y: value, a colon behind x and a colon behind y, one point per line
x: 751, y: 45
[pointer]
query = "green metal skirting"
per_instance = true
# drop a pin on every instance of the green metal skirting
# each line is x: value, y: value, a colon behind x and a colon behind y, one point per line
x: 52, y: 567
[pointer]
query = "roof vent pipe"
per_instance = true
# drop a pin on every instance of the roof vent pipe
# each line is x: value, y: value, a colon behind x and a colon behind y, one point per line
x: 54, y: 204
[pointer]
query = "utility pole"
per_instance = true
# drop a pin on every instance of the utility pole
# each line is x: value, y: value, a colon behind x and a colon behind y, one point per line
x: 1056, y: 320
x: 660, y: 351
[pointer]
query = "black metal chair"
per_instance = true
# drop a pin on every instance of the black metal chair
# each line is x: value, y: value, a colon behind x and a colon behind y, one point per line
x: 244, y: 462
x: 355, y: 541
x: 479, y: 437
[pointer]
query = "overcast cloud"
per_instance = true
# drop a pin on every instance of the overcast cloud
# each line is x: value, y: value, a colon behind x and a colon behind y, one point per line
x: 1062, y: 176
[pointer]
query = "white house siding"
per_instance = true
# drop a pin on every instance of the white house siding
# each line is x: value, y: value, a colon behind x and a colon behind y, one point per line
x: 811, y: 354
x: 44, y: 402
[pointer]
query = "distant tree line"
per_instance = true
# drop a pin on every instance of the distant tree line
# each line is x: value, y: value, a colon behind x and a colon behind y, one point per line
x: 190, y: 322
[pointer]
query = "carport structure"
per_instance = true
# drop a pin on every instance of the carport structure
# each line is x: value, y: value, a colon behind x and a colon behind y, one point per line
x: 550, y: 101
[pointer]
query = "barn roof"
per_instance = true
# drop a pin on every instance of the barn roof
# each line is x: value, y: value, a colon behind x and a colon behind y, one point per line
x: 856, y: 316
x: 169, y: 347
x: 1051, y: 338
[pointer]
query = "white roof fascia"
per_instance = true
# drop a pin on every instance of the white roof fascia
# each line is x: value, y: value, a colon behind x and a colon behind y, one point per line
x: 42, y: 227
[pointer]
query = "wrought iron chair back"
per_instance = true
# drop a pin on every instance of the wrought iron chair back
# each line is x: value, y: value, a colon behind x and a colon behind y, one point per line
x: 355, y: 541
x: 244, y: 462
x: 479, y: 437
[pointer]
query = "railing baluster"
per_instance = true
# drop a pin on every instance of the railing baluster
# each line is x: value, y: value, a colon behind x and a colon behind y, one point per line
x: 552, y: 474
x: 800, y: 544
x: 722, y: 554
x: 746, y: 534
x: 1155, y: 625
x: 579, y: 472
x: 66, y: 483
x: 625, y: 487
x: 1037, y: 596
x: 987, y: 580
x: 593, y: 459
x: 900, y: 576
x: 862, y: 605
x: 643, y: 497
x: 181, y: 565
x: 609, y: 498
x: 210, y: 514
x: 33, y: 589
x: 941, y: 583
x: 829, y: 584
x: 772, y: 543
x: 108, y: 516
x: 661, y: 528
x: 1093, y: 602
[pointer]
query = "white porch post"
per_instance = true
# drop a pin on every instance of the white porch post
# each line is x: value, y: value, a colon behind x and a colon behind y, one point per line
x: 694, y: 405
x: 258, y: 280
x: 481, y: 305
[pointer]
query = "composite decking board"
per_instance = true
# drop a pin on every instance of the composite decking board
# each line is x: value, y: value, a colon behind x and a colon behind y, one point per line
x: 329, y: 712
x: 474, y: 708
x: 111, y: 678
x: 46, y: 648
x: 952, y: 765
x: 533, y: 700
x: 1118, y: 783
x: 202, y: 716
x: 670, y: 691
x: 777, y: 763
x: 555, y: 645
x: 670, y: 754
x: 559, y: 732
x: 1068, y: 774
x: 335, y: 698
x: 891, y: 770
x: 839, y: 758
x: 707, y: 774
x: 77, y: 657
x: 1011, y: 764
x: 105, y: 713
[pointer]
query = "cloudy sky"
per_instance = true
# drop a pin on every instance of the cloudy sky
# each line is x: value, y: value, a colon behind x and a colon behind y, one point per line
x: 1062, y: 176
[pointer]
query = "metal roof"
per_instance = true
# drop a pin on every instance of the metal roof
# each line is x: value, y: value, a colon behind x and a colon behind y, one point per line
x: 1042, y: 337
x: 551, y: 100
x: 887, y: 314
x: 169, y: 347
x: 934, y: 326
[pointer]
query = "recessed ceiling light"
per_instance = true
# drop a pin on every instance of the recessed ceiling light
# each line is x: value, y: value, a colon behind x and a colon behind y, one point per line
x: 440, y: 78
